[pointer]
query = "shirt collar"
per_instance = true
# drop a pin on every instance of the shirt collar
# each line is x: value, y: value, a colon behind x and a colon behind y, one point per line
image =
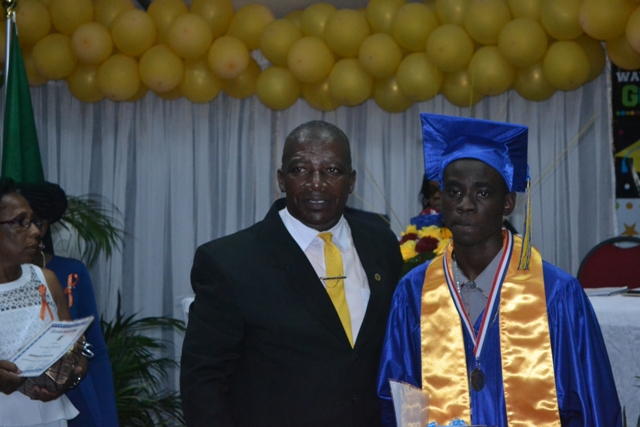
x: 304, y: 235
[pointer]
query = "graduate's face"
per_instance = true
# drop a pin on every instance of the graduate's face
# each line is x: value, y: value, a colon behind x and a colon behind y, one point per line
x: 18, y: 245
x: 317, y: 179
x: 475, y: 199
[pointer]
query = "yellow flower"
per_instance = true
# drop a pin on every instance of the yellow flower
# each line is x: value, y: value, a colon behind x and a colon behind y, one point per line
x: 411, y: 229
x: 430, y: 231
x: 442, y: 245
x: 408, y: 249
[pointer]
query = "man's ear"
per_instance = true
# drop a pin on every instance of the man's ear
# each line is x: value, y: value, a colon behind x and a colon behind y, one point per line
x: 280, y: 178
x: 352, y: 181
x: 509, y: 203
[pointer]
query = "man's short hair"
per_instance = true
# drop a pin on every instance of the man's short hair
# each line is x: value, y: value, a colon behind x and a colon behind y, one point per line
x: 318, y: 130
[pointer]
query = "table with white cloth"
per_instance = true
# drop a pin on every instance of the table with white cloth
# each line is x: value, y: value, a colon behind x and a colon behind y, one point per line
x: 619, y: 318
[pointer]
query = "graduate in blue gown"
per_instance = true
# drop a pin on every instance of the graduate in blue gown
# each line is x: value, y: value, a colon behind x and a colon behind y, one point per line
x: 577, y: 389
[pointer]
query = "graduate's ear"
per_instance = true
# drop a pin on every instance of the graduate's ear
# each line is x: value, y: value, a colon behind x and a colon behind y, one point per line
x: 509, y: 203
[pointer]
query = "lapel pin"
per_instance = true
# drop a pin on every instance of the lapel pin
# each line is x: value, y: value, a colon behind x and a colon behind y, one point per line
x: 377, y: 277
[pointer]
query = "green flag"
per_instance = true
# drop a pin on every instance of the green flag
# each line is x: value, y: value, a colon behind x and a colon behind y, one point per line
x: 20, y: 150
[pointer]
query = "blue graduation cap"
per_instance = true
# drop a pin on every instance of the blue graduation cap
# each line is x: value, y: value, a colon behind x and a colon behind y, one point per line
x: 503, y: 146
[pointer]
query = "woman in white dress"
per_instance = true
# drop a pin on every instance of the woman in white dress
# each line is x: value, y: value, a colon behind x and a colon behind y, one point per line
x: 30, y: 298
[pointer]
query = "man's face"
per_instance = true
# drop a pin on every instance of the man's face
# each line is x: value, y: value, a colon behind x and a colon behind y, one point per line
x: 474, y: 200
x: 317, y: 179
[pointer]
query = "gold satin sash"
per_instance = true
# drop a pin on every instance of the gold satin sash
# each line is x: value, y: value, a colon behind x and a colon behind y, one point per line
x: 527, y: 363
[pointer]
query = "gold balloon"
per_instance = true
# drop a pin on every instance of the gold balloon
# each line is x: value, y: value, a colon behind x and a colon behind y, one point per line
x: 218, y: 13
x: 450, y: 48
x: 531, y: 84
x: 190, y: 36
x: 560, y: 18
x: 32, y: 19
x: 388, y: 96
x: 295, y: 16
x: 91, y: 42
x: 277, y: 39
x: 345, y: 31
x: 133, y: 32
x: 310, y: 59
x: 596, y: 54
x: 163, y: 13
x: 459, y: 90
x: 380, y: 14
x: 566, y: 65
x: 34, y: 77
x: 170, y: 95
x: 244, y: 85
x: 417, y: 78
x: 105, y: 11
x: 529, y: 9
x: 83, y: 83
x: 161, y: 69
x: 605, y: 19
x: 228, y: 57
x: 412, y: 25
x: 632, y: 31
x: 318, y: 96
x: 451, y: 11
x: 118, y: 77
x: 484, y: 19
x: 314, y: 18
x: 277, y: 88
x: 380, y: 55
x: 622, y: 54
x: 349, y: 83
x: 199, y: 84
x: 67, y: 15
x: 53, y: 56
x: 142, y: 91
x: 490, y: 71
x: 523, y: 42
x: 249, y: 22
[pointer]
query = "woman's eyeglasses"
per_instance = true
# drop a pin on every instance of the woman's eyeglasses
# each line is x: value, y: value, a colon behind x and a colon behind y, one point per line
x: 24, y: 222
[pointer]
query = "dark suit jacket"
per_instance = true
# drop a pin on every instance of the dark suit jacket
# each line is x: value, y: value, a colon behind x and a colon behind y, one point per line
x: 264, y: 344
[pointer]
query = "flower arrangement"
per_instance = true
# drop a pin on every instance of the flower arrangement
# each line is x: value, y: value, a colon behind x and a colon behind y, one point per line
x: 420, y: 245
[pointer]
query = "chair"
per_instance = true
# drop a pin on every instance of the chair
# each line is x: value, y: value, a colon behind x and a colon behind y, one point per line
x: 614, y: 262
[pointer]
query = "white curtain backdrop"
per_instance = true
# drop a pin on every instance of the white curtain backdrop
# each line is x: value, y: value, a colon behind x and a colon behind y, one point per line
x: 182, y: 174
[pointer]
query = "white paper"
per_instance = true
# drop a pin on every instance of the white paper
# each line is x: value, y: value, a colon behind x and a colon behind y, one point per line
x: 411, y: 404
x: 49, y: 346
x: 604, y: 292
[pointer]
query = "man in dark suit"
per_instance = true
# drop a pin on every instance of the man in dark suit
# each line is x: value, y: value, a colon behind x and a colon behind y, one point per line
x: 284, y: 331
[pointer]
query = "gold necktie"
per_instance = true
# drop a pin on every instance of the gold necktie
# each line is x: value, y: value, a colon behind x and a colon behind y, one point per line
x: 335, y: 287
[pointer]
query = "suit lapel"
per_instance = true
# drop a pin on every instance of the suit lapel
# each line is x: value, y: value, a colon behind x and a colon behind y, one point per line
x: 375, y: 276
x: 297, y: 275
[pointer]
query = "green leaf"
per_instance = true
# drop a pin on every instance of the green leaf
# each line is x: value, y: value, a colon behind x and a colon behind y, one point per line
x: 96, y: 222
x: 138, y: 372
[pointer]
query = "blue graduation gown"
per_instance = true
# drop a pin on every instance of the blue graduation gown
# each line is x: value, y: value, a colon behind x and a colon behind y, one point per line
x: 95, y: 396
x: 585, y: 388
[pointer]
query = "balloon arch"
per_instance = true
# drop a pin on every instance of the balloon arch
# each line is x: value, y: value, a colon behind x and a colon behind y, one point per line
x: 393, y: 51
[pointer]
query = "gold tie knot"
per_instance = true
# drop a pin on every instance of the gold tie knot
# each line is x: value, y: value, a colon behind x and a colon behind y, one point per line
x: 326, y: 236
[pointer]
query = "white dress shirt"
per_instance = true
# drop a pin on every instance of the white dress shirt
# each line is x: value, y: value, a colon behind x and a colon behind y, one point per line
x: 356, y: 285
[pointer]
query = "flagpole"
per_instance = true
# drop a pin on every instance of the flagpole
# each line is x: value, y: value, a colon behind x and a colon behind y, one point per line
x: 9, y: 6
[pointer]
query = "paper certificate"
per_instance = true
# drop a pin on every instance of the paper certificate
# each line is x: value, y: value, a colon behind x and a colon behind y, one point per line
x: 49, y: 346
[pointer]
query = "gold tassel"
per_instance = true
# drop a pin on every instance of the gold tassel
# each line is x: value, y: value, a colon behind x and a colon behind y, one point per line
x: 525, y: 255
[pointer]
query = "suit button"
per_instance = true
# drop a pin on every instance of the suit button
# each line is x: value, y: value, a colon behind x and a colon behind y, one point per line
x: 354, y: 399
